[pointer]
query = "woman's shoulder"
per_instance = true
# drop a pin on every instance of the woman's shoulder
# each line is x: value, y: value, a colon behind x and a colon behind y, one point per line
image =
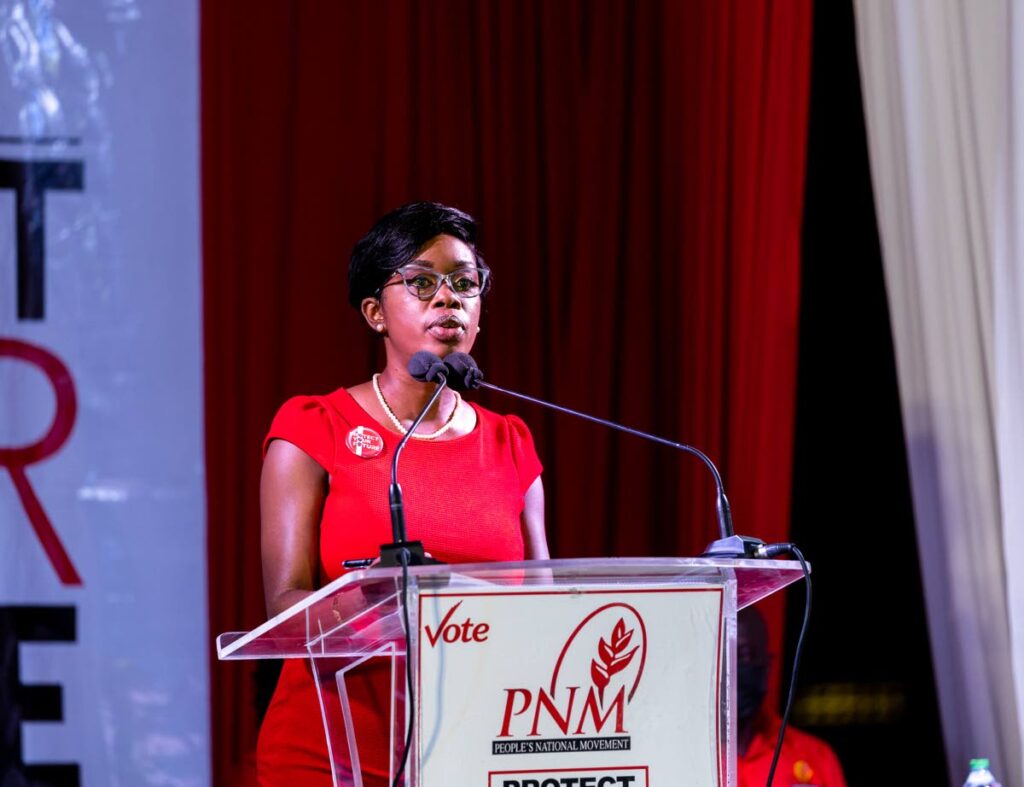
x: 510, y: 433
x: 493, y: 421
x: 306, y: 407
x: 311, y: 421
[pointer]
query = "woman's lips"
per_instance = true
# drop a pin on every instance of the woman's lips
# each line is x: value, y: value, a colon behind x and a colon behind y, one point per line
x: 447, y: 329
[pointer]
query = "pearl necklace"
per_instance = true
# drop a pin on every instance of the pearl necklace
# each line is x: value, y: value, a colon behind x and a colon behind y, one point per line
x: 401, y: 427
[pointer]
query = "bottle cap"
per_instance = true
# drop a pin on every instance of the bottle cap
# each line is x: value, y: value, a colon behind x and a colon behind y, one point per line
x: 979, y: 764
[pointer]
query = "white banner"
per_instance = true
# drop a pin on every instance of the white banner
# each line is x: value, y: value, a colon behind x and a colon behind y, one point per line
x: 595, y: 688
x: 103, y: 633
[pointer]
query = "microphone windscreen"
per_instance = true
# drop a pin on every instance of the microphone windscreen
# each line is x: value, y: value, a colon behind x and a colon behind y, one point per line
x: 464, y: 375
x: 427, y: 367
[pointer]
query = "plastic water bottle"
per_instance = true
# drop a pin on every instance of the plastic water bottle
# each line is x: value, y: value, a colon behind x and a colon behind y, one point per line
x: 980, y: 775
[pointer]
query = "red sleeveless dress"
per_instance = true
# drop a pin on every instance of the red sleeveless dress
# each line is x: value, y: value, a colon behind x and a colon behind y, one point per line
x: 463, y: 500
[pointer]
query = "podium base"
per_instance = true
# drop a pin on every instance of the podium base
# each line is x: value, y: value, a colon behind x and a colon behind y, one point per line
x: 390, y: 555
x: 735, y: 547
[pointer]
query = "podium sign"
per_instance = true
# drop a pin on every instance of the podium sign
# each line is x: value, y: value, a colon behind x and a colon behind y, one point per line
x: 590, y: 687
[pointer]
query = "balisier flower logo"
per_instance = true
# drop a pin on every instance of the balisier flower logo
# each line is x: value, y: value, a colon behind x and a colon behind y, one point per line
x: 612, y: 657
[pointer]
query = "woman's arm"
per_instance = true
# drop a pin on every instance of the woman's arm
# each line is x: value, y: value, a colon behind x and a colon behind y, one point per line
x: 292, y: 492
x: 535, y: 538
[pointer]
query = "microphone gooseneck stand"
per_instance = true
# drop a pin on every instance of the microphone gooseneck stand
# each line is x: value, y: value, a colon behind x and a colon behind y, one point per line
x: 466, y: 375
x: 426, y: 367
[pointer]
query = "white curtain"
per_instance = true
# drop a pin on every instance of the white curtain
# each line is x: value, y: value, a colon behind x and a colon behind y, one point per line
x: 943, y: 84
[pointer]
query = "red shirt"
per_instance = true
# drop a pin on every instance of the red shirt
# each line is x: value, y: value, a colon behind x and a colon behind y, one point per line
x: 463, y: 500
x: 804, y: 759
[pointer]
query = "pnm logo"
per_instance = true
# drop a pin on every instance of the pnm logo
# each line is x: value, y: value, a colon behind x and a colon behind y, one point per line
x: 594, y: 679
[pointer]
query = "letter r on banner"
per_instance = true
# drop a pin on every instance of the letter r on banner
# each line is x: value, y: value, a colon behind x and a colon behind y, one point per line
x: 16, y: 459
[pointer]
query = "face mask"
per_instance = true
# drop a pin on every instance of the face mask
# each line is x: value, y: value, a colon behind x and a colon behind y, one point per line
x: 751, y: 686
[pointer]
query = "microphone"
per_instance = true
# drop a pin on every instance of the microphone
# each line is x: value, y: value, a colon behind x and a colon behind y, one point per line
x: 465, y: 375
x: 428, y: 368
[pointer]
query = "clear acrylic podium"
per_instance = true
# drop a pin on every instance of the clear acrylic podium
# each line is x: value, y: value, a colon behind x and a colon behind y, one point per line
x: 621, y: 624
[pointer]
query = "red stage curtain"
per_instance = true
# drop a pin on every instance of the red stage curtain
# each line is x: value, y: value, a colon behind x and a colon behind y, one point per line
x: 638, y: 172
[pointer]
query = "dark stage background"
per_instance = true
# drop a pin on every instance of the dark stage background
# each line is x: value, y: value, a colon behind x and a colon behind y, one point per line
x: 866, y: 683
x: 638, y: 172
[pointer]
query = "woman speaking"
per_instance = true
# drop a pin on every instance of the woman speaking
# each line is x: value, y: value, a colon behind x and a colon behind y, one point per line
x: 471, y: 478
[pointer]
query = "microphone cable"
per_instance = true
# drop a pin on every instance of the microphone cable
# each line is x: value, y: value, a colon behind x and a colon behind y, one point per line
x: 769, y: 551
x: 410, y: 697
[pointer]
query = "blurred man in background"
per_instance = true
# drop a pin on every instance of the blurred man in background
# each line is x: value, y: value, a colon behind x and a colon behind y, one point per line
x: 804, y: 758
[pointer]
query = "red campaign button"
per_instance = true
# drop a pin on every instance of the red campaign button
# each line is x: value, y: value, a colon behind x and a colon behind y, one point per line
x: 16, y: 459
x: 364, y: 442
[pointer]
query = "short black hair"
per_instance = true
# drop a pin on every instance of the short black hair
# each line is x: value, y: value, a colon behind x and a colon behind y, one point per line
x: 394, y: 240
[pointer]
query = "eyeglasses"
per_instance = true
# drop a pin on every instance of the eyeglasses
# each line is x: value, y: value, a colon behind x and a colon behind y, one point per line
x: 424, y: 282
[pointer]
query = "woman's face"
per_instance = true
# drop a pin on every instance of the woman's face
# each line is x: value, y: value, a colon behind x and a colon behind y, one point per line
x: 443, y: 323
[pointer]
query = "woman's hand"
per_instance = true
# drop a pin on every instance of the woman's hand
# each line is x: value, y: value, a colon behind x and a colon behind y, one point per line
x: 293, y: 488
